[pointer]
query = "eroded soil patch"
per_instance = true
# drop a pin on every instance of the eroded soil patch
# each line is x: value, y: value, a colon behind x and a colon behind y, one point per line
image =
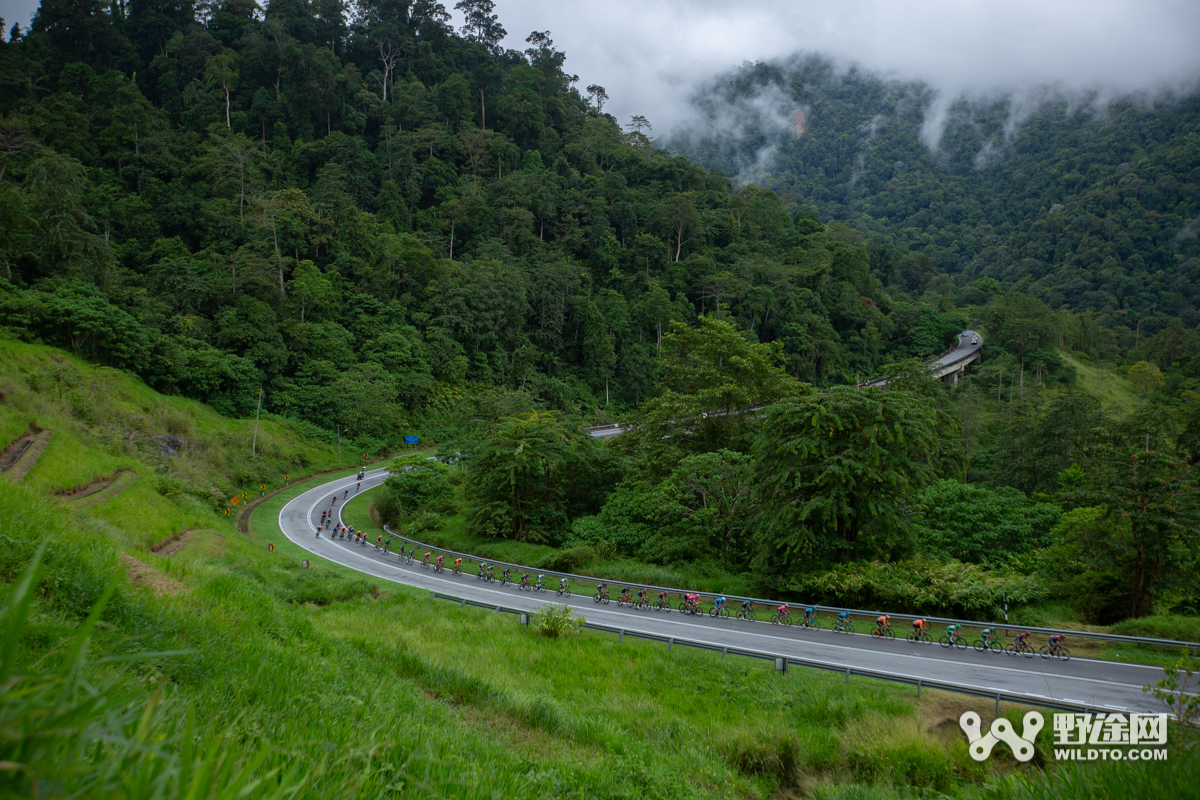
x: 143, y: 575
x: 23, y: 453
x: 99, y: 490
x: 169, y: 547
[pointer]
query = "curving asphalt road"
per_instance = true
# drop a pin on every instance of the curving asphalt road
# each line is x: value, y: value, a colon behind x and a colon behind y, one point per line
x: 1103, y: 684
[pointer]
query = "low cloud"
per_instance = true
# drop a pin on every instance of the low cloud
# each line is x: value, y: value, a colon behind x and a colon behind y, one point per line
x: 653, y: 55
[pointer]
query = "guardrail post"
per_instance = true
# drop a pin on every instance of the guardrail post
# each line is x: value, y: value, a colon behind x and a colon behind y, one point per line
x: 780, y: 664
x: 620, y: 636
x: 670, y: 645
x: 847, y: 676
x: 433, y: 595
x: 918, y: 687
x: 463, y: 604
x: 524, y: 618
x: 724, y: 652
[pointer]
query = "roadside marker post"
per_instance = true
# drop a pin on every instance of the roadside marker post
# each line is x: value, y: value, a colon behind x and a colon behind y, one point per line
x: 271, y: 547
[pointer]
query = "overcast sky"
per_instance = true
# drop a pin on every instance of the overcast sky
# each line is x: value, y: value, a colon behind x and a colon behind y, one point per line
x: 651, y: 54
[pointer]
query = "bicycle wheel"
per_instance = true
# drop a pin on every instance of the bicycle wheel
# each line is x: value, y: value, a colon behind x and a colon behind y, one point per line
x: 596, y: 599
x: 891, y: 635
x: 960, y: 642
x: 1046, y: 651
x: 997, y: 647
x: 849, y: 626
x: 750, y: 615
x: 945, y: 641
x: 1026, y: 650
x: 787, y: 620
x: 1064, y: 654
x: 980, y: 645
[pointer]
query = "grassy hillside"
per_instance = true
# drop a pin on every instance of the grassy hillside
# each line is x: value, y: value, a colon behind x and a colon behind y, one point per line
x: 264, y: 679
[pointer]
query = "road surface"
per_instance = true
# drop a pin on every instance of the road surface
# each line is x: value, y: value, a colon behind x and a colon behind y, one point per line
x: 1103, y: 684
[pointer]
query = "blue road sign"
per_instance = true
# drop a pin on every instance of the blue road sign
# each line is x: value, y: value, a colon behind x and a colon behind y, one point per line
x: 410, y: 440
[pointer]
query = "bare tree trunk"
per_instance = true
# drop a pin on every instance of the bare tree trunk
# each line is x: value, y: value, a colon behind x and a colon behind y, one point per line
x: 254, y: 443
x: 482, y: 111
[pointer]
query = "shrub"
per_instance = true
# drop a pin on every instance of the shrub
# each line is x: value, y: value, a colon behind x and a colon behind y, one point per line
x: 775, y: 756
x: 425, y: 521
x: 919, y: 585
x: 572, y: 560
x: 1161, y: 626
x: 555, y: 620
x: 418, y: 489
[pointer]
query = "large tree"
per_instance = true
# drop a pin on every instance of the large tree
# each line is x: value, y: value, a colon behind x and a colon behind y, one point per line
x: 1148, y: 503
x: 837, y: 472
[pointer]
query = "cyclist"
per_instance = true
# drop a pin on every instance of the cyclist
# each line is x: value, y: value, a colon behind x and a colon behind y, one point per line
x: 441, y: 562
x: 356, y: 488
x: 524, y: 580
x: 562, y: 585
x: 689, y: 603
x: 541, y: 583
x: 387, y: 546
x: 318, y: 531
x: 641, y: 597
x: 491, y: 572
x: 951, y: 631
x: 379, y: 542
x: 425, y: 560
x: 746, y: 609
x: 919, y: 626
x: 458, y: 566
x: 843, y: 619
x: 347, y: 494
x: 883, y: 623
x: 625, y: 596
x: 602, y: 589
x: 504, y: 575
x: 782, y: 611
x: 1056, y: 640
x: 482, y: 569
x: 810, y: 615
x: 718, y: 603
x: 323, y: 516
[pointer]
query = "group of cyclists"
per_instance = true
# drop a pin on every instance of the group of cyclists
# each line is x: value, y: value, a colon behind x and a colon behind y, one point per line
x: 989, y: 640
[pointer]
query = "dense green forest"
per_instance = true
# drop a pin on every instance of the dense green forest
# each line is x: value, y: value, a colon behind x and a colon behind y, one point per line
x: 378, y: 225
x: 1087, y: 202
x: 358, y: 215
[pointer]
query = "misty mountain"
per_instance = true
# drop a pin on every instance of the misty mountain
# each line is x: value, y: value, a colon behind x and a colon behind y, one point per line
x: 1088, y: 202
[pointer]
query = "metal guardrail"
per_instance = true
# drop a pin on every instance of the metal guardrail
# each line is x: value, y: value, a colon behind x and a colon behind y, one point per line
x: 782, y: 662
x: 861, y: 613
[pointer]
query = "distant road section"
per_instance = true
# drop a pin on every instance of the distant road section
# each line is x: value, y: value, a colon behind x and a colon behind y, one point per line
x: 949, y: 366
